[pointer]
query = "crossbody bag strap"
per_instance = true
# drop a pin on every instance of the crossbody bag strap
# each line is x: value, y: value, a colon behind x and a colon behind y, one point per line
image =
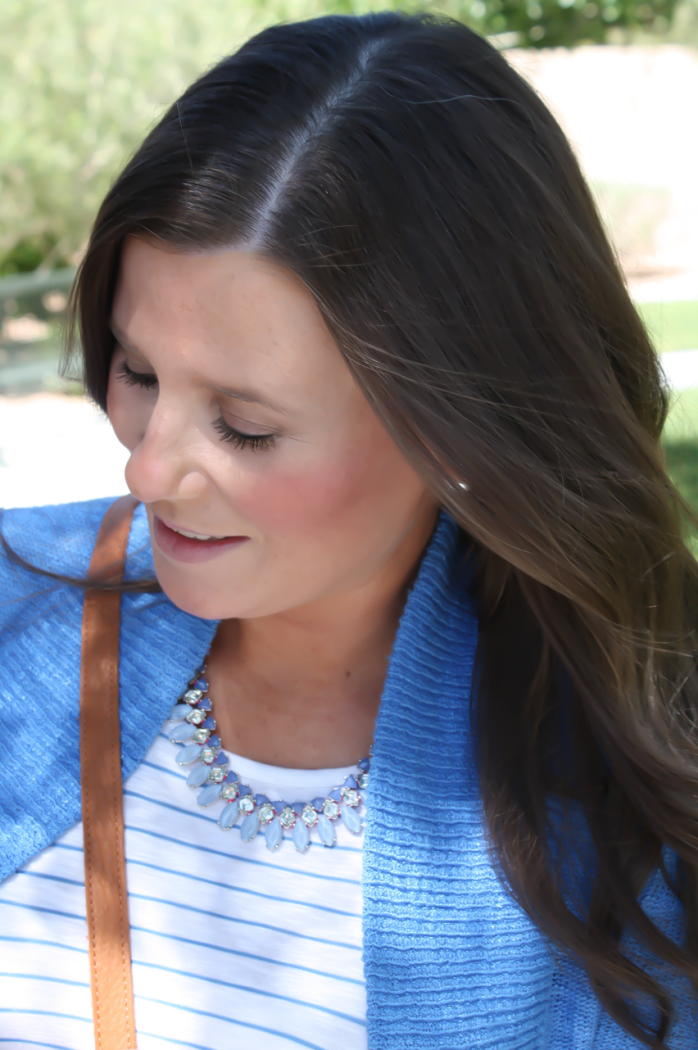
x: 102, y: 795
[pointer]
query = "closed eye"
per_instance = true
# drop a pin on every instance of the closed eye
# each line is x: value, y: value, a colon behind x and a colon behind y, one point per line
x: 145, y: 380
x: 239, y: 440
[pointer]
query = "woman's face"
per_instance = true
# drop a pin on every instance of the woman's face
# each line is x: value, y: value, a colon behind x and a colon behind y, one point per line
x: 245, y: 424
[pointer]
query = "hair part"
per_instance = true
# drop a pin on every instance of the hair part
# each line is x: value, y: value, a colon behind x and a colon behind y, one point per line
x: 431, y: 205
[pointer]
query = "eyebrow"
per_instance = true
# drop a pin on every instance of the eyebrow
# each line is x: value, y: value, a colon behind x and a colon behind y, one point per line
x: 238, y: 393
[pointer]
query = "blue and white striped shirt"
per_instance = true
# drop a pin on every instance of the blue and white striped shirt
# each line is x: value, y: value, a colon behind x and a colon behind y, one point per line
x: 232, y: 945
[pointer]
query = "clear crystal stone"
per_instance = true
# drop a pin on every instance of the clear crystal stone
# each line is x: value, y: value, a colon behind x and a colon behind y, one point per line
x: 266, y: 813
x: 246, y: 804
x: 208, y: 754
x: 362, y: 780
x: 216, y: 774
x: 330, y: 808
x: 192, y: 696
x: 230, y: 792
x: 350, y: 797
x: 287, y: 818
x: 196, y: 716
x: 309, y: 816
x: 200, y: 736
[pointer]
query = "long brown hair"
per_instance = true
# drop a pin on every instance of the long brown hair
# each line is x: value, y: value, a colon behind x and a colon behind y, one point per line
x: 434, y: 209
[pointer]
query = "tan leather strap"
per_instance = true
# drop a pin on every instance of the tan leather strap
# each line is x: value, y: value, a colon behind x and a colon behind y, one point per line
x: 102, y: 797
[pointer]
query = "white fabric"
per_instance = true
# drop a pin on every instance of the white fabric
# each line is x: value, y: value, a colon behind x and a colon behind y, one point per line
x: 232, y: 945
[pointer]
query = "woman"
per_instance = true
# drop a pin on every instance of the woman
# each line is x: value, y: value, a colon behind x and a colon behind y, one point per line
x: 394, y: 424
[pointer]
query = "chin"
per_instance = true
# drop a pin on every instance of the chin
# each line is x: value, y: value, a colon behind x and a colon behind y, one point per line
x: 203, y: 599
x: 197, y: 604
x: 192, y: 596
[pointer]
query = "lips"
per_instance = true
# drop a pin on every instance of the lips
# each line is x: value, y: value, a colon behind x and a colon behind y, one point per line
x: 186, y: 548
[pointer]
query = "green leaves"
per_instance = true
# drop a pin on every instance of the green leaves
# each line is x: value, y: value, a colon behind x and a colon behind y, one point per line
x: 564, y: 23
x: 81, y: 82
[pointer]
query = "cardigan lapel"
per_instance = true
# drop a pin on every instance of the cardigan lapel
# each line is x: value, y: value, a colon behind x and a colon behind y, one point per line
x: 450, y: 960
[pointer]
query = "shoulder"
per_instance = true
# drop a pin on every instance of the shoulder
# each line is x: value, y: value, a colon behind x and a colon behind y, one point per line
x: 57, y: 539
x: 40, y: 654
x: 40, y: 544
x: 37, y: 541
x: 44, y: 552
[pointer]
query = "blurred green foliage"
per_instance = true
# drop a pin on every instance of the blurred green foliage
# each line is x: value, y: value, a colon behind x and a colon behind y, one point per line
x: 682, y: 462
x: 30, y: 252
x: 682, y: 421
x: 673, y: 325
x: 564, y: 23
x: 81, y: 81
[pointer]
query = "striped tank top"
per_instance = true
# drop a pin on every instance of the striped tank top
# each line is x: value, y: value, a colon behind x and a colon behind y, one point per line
x: 232, y: 945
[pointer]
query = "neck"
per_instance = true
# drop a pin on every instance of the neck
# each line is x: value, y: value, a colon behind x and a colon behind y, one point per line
x: 301, y: 688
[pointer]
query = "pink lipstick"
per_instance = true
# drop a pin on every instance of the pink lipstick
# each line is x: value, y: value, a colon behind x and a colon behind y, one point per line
x: 187, y: 549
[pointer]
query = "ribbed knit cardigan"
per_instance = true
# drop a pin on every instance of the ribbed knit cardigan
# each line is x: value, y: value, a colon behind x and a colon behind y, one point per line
x: 451, y: 961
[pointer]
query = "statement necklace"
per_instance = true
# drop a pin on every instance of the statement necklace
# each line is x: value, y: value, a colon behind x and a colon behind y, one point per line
x: 197, y: 742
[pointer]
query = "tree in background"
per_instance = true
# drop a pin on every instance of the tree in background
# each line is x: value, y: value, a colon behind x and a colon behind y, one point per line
x: 564, y: 23
x: 81, y: 81
x: 555, y: 23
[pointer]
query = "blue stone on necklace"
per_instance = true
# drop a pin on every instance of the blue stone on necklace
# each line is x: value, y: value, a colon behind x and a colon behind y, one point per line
x: 194, y: 735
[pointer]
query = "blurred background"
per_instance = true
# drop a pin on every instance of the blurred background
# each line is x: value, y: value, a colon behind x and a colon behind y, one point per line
x: 82, y: 82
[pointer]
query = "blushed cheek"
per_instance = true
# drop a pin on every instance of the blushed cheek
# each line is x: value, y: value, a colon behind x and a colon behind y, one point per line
x: 341, y: 494
x: 122, y: 416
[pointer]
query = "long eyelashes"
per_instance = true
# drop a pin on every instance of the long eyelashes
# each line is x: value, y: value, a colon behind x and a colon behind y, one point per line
x: 254, y: 442
x: 145, y: 380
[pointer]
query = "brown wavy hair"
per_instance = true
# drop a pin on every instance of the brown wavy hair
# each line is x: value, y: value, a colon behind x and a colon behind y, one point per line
x: 432, y: 206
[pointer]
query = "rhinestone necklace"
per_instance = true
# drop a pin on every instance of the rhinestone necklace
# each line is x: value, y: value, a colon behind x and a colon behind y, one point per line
x: 195, y: 736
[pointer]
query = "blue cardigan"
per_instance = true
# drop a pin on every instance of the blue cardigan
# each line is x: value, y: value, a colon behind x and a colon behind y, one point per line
x: 451, y: 961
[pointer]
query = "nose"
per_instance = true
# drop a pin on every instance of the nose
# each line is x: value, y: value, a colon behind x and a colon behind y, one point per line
x: 166, y: 462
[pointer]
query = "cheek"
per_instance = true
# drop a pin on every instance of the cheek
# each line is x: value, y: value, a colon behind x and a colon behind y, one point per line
x: 128, y: 411
x: 369, y: 482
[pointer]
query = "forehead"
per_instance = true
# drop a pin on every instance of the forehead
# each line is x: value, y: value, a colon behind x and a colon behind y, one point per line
x: 224, y: 309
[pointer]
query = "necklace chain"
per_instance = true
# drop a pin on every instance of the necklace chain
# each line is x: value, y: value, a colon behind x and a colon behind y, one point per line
x: 194, y: 733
